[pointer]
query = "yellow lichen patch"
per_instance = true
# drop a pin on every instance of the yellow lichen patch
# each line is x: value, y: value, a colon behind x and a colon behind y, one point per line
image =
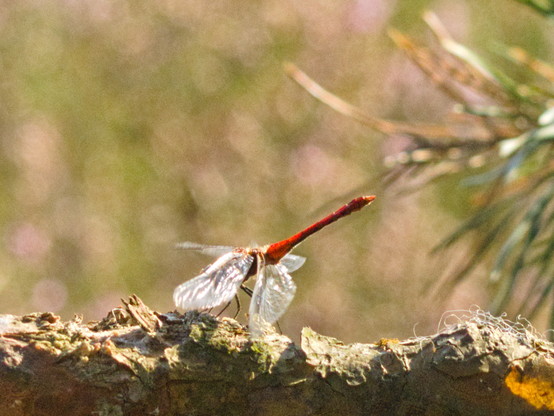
x: 536, y: 391
x: 384, y: 342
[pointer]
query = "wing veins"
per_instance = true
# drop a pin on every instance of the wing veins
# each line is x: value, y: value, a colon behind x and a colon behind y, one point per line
x: 217, y: 284
x: 273, y: 293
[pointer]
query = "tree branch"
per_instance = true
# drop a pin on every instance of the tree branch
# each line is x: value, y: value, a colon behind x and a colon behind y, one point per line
x: 139, y: 362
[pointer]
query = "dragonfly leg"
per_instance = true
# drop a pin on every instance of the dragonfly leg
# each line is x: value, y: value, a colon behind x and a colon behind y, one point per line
x: 238, y: 307
x: 278, y: 327
x: 247, y: 290
x: 223, y: 310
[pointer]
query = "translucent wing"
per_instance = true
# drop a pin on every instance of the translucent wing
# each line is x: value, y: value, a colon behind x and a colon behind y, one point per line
x: 217, y: 284
x: 272, y: 295
x: 214, y: 251
x: 292, y: 262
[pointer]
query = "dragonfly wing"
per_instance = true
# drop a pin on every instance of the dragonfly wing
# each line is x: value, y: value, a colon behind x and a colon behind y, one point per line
x: 217, y: 284
x: 214, y: 251
x: 292, y: 262
x: 272, y: 295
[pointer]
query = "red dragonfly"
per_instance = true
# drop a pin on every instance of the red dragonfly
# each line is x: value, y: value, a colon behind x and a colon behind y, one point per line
x: 274, y: 289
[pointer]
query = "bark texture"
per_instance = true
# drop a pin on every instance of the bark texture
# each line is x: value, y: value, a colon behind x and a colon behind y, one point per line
x: 138, y: 362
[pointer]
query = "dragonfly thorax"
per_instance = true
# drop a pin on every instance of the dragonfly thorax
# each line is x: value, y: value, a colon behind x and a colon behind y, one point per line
x: 259, y: 255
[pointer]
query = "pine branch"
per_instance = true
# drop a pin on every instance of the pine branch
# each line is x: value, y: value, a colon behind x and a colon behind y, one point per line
x: 504, y: 150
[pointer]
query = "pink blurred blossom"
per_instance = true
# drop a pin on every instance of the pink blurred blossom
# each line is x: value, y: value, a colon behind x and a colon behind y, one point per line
x: 28, y: 242
x: 369, y: 16
x: 49, y: 295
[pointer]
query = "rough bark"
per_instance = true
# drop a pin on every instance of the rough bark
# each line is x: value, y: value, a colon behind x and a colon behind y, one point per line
x: 138, y: 362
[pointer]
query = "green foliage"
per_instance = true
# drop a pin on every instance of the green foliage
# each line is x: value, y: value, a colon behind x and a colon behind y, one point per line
x: 545, y: 7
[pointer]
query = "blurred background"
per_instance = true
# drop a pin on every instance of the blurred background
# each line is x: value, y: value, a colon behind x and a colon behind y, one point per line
x: 126, y: 127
